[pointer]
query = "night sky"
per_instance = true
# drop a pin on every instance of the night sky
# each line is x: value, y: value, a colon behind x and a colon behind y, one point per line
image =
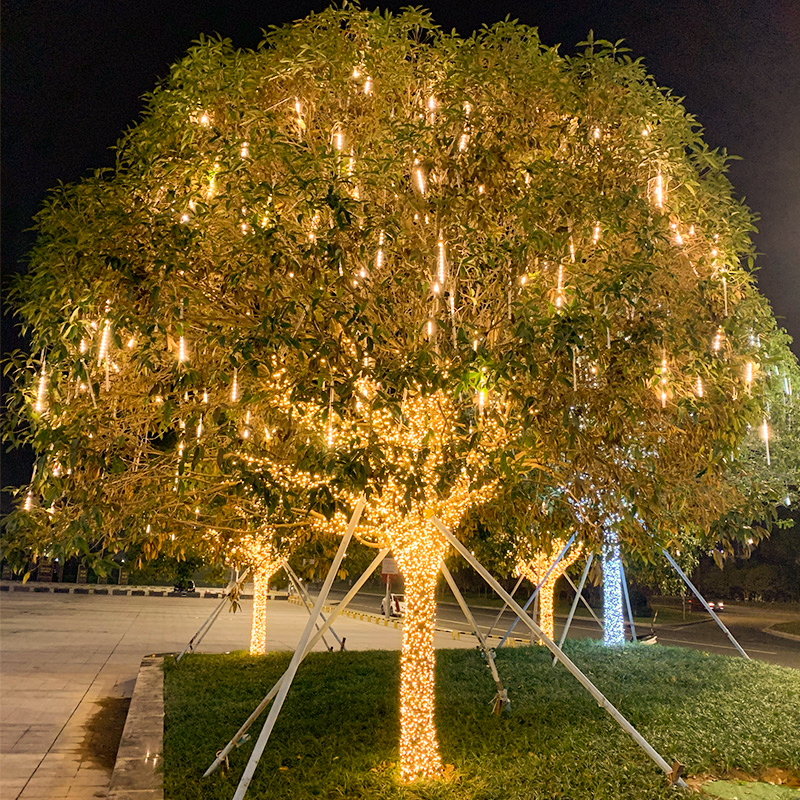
x: 73, y: 73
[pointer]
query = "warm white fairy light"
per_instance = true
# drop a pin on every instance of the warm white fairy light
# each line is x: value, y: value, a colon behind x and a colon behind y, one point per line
x: 205, y: 119
x: 748, y: 375
x: 596, y: 233
x: 235, y: 385
x: 698, y: 389
x: 719, y: 336
x: 105, y: 341
x: 28, y: 504
x: 246, y: 429
x: 658, y: 190
x: 765, y: 437
x: 441, y: 260
x: 368, y: 85
x: 41, y: 392
x: 182, y: 354
x: 338, y: 138
x: 330, y: 418
x: 244, y: 152
x: 560, y: 287
x: 379, y: 254
x: 419, y: 177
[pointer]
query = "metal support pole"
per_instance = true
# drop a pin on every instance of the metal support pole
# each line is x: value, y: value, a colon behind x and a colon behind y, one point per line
x: 602, y: 701
x: 536, y: 590
x: 583, y: 600
x: 627, y: 600
x: 574, y: 605
x: 212, y: 618
x: 707, y: 607
x: 502, y: 610
x: 309, y: 647
x: 502, y: 694
x: 288, y: 677
x: 306, y: 598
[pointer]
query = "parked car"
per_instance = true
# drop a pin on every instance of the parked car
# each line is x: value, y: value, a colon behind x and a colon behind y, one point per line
x: 396, y: 605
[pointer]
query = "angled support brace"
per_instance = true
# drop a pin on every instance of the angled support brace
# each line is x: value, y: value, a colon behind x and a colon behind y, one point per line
x: 602, y: 701
x: 309, y: 647
x: 291, y: 671
x: 212, y: 617
x: 306, y: 598
x: 536, y: 590
x: 501, y: 700
x: 583, y: 599
x: 707, y: 607
x: 578, y: 596
x: 502, y: 610
x: 627, y: 599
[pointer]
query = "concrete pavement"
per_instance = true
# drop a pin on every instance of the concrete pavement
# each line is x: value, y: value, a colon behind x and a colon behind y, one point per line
x: 62, y: 654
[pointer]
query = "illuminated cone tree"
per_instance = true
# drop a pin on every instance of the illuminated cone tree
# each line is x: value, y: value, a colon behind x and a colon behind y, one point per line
x: 373, y: 257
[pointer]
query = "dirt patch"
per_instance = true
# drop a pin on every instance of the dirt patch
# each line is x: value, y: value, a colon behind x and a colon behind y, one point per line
x: 104, y: 731
x: 774, y: 775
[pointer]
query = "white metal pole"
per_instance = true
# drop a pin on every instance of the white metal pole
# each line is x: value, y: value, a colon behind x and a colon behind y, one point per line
x: 574, y: 606
x: 212, y: 618
x: 707, y: 606
x: 502, y: 610
x: 502, y: 694
x: 536, y: 590
x: 627, y: 599
x: 601, y: 699
x: 583, y: 600
x: 306, y: 598
x: 269, y: 724
x: 309, y: 647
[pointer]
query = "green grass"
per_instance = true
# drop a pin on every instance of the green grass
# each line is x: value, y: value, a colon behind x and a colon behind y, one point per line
x: 789, y: 627
x: 337, y: 735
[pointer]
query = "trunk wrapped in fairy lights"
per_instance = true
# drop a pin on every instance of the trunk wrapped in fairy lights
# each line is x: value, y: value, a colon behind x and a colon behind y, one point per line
x: 535, y: 569
x: 419, y: 564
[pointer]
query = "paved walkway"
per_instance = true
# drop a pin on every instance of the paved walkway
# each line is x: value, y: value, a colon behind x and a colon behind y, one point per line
x: 61, y: 654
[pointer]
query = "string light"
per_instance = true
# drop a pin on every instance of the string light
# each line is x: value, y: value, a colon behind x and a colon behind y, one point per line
x: 235, y: 385
x: 765, y: 437
x: 699, y: 387
x: 419, y: 177
x: 596, y: 233
x: 613, y: 627
x: 535, y: 569
x: 658, y: 190
x: 105, y: 341
x: 41, y: 393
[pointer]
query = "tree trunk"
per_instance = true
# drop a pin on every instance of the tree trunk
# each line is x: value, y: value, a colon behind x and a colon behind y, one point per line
x: 613, y: 624
x: 535, y: 569
x: 419, y: 746
x: 258, y: 632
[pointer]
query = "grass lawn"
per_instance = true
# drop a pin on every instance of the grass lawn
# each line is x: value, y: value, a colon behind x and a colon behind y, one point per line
x: 337, y: 736
x: 789, y: 627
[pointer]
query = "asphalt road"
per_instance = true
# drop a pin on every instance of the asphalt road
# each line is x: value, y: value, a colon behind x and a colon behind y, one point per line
x: 747, y: 625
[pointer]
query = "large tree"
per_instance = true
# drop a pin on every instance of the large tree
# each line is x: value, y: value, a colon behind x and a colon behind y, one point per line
x: 370, y: 257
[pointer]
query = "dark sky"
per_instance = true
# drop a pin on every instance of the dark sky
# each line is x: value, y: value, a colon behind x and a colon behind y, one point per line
x: 73, y: 73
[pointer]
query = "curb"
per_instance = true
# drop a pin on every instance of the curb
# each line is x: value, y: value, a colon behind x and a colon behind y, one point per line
x: 137, y: 772
x: 781, y: 634
x: 379, y: 619
x: 112, y: 590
